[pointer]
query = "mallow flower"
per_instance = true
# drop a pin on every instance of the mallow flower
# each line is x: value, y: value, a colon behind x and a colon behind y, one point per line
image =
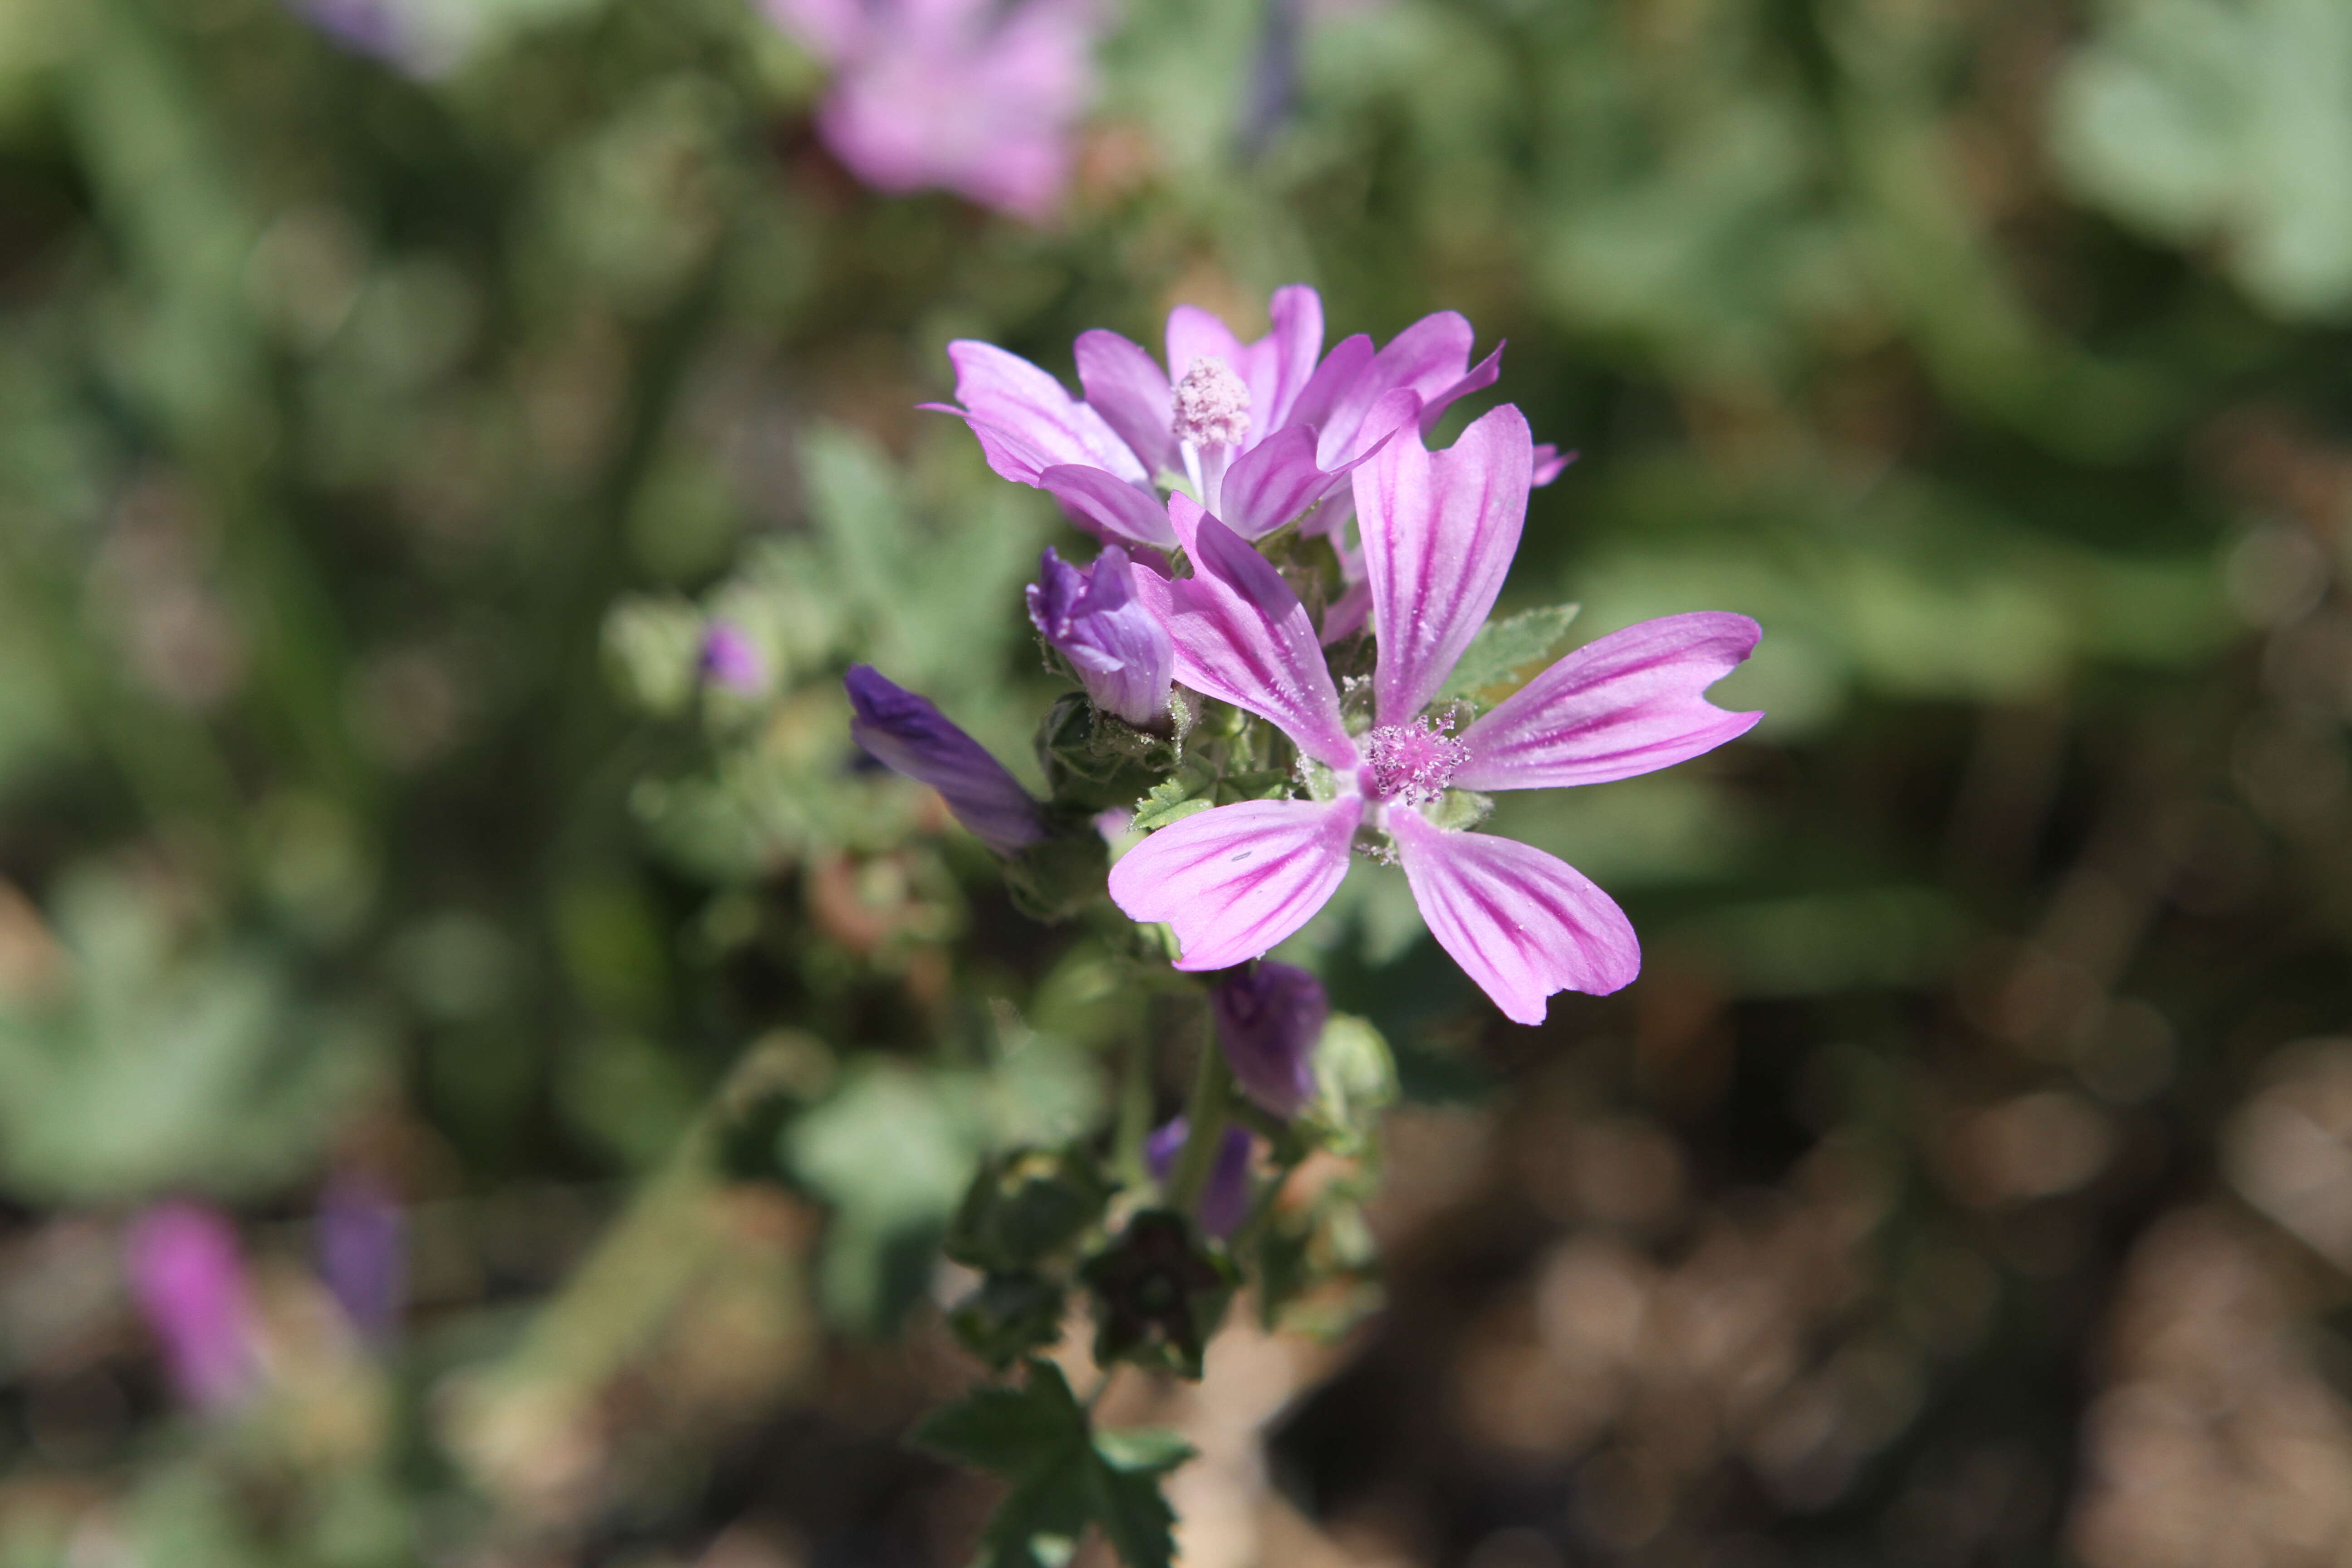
x: 187, y: 1274
x: 1260, y: 431
x: 1269, y: 1017
x: 1439, y: 531
x: 971, y: 96
x: 1092, y: 616
x: 909, y: 735
x: 729, y: 659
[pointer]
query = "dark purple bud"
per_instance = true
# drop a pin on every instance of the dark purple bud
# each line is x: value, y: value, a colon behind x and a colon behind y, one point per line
x: 911, y: 736
x: 731, y: 659
x: 187, y: 1274
x: 362, y: 1241
x: 1224, y: 1199
x: 1093, y: 619
x: 1269, y: 1018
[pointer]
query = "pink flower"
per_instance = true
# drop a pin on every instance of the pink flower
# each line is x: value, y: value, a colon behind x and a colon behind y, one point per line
x: 1261, y: 431
x: 731, y: 659
x: 968, y: 96
x: 187, y: 1274
x: 1439, y: 531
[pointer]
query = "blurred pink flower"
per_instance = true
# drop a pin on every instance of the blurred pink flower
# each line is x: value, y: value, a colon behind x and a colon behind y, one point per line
x: 961, y: 95
x: 188, y: 1273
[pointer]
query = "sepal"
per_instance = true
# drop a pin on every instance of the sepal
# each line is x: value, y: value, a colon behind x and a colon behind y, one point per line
x: 1158, y: 1295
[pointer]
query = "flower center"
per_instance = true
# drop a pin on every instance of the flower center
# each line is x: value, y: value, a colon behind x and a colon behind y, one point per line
x: 1213, y: 406
x: 1414, y: 762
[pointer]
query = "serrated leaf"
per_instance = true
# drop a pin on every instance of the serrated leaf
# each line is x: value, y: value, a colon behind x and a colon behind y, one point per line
x: 1133, y: 1515
x: 1065, y: 1478
x: 1017, y: 1433
x: 1508, y: 653
x: 1179, y: 796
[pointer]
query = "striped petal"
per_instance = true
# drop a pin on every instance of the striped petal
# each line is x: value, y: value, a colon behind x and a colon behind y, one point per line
x: 1625, y: 704
x: 1234, y: 881
x: 1522, y: 923
x: 1439, y: 531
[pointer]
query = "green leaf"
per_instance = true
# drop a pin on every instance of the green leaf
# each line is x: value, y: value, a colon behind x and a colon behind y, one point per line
x: 1008, y: 1316
x: 1017, y: 1433
x: 1133, y: 1515
x: 1023, y: 1206
x: 1065, y: 1477
x: 1189, y: 789
x: 1508, y: 653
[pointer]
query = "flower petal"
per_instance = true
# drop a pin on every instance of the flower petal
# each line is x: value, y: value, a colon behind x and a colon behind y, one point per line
x: 1429, y: 356
x: 1032, y: 423
x: 1236, y: 880
x: 1625, y: 704
x: 1480, y: 376
x: 1333, y: 383
x: 1131, y: 394
x: 1289, y: 352
x: 909, y: 735
x: 1522, y: 923
x: 1439, y: 531
x: 1345, y: 615
x: 1242, y: 635
x: 1550, y: 462
x: 1106, y: 503
x: 1279, y: 478
x: 1194, y: 333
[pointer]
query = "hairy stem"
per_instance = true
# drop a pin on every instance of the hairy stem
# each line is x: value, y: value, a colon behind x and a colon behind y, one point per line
x: 1205, y: 1122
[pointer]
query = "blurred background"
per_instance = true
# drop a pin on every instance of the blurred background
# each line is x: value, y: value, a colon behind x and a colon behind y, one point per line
x: 482, y: 1075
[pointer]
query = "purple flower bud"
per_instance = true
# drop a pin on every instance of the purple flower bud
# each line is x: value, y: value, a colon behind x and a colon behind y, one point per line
x: 1224, y: 1200
x: 909, y: 735
x: 187, y: 1274
x: 731, y: 659
x: 362, y: 1241
x: 1093, y: 619
x: 1269, y: 1018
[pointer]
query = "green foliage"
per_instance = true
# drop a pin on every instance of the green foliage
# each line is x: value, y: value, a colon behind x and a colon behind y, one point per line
x: 1509, y: 651
x: 158, y: 1058
x: 1025, y: 1205
x: 2201, y: 121
x: 1065, y: 1476
x: 379, y: 445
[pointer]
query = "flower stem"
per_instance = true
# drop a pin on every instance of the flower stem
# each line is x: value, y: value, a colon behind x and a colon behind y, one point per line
x: 1134, y: 1112
x: 1204, y: 1127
